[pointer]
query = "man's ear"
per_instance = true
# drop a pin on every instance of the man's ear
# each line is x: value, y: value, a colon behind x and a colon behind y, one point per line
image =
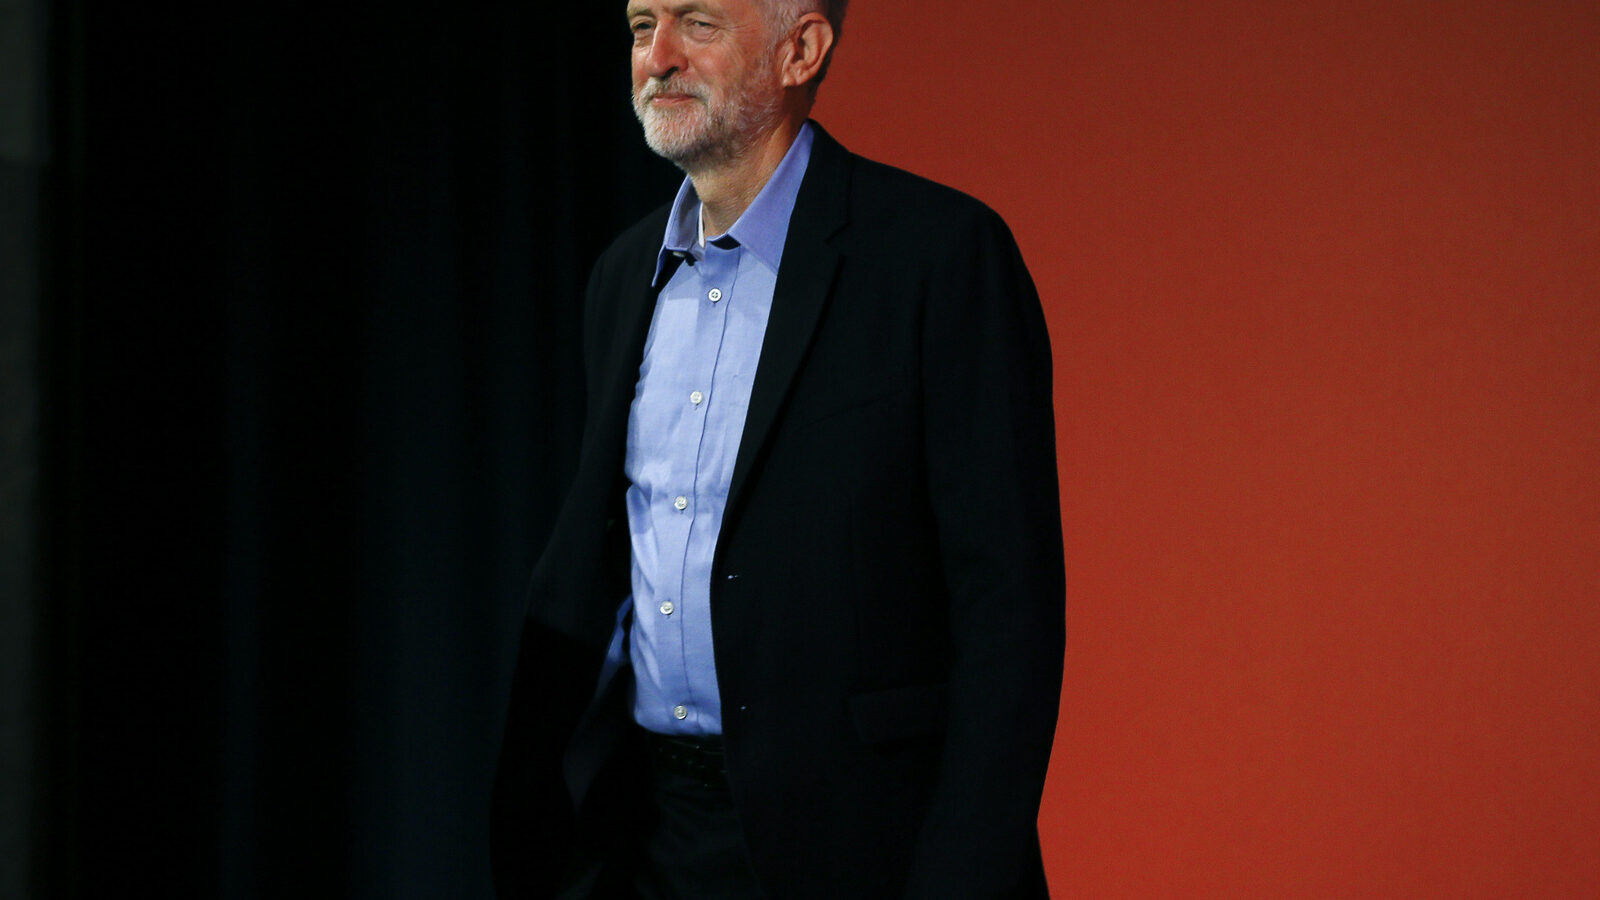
x: 806, y: 49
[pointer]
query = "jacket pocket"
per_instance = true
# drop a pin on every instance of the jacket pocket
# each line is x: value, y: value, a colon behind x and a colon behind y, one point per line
x: 900, y: 713
x: 817, y: 405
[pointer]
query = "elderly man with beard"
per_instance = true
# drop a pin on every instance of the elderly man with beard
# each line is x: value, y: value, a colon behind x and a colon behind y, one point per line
x: 798, y: 631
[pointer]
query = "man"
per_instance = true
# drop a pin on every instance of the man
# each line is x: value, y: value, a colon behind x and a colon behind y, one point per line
x: 798, y: 633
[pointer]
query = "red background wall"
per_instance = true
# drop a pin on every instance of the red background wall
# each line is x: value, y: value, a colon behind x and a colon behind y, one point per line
x: 1323, y: 281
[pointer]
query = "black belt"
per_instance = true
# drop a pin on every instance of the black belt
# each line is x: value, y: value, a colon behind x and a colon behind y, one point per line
x: 700, y: 758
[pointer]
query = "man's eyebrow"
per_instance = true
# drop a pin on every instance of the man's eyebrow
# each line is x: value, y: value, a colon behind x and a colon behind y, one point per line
x: 676, y: 9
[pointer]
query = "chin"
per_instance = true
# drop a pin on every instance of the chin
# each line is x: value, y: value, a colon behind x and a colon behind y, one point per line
x: 679, y: 142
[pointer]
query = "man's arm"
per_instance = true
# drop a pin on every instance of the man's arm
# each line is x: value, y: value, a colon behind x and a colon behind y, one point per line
x: 992, y: 481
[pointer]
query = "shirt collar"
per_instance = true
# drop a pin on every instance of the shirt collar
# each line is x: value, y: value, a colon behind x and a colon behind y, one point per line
x: 762, y: 229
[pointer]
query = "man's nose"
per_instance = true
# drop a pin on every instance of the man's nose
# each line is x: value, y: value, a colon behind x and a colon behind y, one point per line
x: 665, y: 54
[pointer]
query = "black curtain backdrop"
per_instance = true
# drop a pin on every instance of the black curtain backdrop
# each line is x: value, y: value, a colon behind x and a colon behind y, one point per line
x: 313, y: 276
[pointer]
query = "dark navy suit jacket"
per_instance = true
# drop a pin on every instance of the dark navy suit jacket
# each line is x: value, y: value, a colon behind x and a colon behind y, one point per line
x: 888, y: 589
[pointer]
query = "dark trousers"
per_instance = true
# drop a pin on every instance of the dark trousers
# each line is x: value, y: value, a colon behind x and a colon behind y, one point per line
x: 688, y: 846
x: 696, y: 850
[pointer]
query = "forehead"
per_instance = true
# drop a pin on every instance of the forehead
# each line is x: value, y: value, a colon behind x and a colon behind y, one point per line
x: 732, y: 8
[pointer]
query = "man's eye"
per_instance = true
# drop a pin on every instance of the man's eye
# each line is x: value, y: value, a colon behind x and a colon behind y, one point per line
x: 641, y: 28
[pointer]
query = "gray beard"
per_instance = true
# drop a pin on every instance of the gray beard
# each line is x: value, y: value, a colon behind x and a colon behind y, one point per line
x: 700, y: 139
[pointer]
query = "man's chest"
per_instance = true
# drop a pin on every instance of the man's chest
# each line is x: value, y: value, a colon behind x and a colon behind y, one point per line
x: 697, y: 370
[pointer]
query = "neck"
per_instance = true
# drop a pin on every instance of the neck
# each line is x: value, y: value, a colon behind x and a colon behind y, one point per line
x: 728, y: 188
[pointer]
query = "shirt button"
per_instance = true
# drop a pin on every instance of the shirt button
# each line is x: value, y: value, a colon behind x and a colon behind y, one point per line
x: 680, y: 712
x: 715, y: 295
x: 681, y: 503
x: 697, y: 398
x: 667, y: 607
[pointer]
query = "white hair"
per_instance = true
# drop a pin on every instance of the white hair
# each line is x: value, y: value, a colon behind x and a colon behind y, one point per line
x: 783, y: 13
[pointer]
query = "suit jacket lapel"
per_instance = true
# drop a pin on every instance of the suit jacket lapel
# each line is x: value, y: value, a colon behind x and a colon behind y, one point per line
x: 805, y: 280
x: 622, y: 370
x: 601, y: 477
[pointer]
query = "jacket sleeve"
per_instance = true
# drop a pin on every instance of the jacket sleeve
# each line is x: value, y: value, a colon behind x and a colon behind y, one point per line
x: 990, y: 450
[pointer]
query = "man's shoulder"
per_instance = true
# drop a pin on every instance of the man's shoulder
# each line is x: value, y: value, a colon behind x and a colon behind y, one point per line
x: 881, y: 184
x: 876, y: 185
x: 890, y: 203
x: 638, y: 244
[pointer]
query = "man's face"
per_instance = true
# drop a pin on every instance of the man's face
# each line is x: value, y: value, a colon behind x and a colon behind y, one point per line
x: 705, y: 82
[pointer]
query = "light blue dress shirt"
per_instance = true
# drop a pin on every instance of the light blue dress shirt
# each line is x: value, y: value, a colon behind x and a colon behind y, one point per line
x: 684, y: 427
